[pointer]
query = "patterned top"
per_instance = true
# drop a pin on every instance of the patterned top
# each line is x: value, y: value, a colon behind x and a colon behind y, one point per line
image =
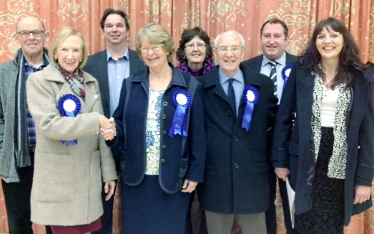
x: 152, y: 137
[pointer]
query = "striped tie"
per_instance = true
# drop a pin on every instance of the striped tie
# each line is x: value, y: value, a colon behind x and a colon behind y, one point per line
x: 273, y: 75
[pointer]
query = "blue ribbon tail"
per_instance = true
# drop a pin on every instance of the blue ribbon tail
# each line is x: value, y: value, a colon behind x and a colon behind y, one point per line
x: 177, y: 123
x: 285, y: 82
x: 247, y: 115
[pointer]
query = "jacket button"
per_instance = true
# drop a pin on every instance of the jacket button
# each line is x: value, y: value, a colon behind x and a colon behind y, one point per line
x: 228, y: 113
x: 235, y: 138
x: 163, y: 146
x: 163, y: 116
x: 358, y: 147
x: 165, y: 103
x: 162, y: 160
x: 164, y: 132
x: 236, y: 165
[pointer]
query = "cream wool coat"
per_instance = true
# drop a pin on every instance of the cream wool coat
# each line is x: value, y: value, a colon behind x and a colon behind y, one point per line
x: 67, y: 180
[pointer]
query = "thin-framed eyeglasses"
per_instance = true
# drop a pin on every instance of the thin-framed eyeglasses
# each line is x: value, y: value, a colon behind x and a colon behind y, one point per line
x: 154, y: 48
x: 192, y: 46
x: 225, y: 49
x: 35, y: 33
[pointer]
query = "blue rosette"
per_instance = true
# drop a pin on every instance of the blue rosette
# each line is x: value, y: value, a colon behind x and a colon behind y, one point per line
x: 286, y: 73
x: 181, y: 100
x: 69, y: 105
x: 250, y: 97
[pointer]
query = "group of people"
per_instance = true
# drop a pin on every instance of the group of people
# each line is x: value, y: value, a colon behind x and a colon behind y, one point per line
x: 70, y: 123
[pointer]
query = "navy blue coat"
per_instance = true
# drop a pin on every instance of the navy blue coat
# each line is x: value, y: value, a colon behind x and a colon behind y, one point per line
x: 237, y: 170
x: 180, y: 157
x: 293, y: 143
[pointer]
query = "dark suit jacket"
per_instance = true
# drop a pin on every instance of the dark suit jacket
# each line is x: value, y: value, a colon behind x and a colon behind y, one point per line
x: 237, y: 169
x: 293, y: 141
x: 97, y: 67
x: 255, y: 62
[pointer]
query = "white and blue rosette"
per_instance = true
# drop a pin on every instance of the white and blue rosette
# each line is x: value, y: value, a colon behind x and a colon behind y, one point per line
x: 69, y: 106
x: 181, y: 100
x: 250, y: 97
x: 286, y: 73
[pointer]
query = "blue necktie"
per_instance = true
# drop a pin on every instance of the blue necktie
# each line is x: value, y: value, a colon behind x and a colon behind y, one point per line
x: 231, y: 95
x: 273, y: 75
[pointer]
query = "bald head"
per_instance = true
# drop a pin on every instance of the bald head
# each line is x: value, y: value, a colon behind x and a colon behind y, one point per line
x: 30, y: 18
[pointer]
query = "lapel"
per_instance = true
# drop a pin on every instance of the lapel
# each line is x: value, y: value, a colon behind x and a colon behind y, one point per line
x: 101, y: 65
x: 304, y: 98
x: 290, y: 58
x: 214, y: 81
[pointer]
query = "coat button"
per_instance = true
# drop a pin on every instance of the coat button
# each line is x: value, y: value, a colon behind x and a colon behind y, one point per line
x: 163, y: 116
x: 358, y: 147
x: 235, y: 138
x: 162, y: 160
x: 228, y: 113
x: 163, y: 146
x: 236, y: 165
x: 165, y: 103
x: 164, y: 132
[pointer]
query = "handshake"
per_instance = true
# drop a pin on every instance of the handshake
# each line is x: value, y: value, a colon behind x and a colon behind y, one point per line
x: 107, y: 127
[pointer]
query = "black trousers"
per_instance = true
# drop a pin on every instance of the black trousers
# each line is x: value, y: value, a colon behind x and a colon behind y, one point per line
x: 17, y: 202
x: 107, y: 217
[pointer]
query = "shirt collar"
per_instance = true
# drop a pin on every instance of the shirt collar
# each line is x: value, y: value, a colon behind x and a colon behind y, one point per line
x: 125, y: 54
x: 281, y: 60
x: 238, y: 75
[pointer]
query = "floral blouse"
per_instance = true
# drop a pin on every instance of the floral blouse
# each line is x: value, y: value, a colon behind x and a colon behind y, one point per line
x: 152, y: 137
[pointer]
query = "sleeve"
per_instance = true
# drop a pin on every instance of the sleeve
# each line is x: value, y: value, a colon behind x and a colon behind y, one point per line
x: 117, y: 143
x: 365, y: 164
x: 42, y: 104
x: 283, y: 124
x: 197, y: 138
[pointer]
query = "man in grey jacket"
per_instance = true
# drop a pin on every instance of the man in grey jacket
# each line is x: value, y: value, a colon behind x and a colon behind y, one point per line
x: 17, y: 129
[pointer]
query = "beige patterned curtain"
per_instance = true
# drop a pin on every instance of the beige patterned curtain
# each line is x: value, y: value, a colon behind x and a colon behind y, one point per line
x: 215, y: 16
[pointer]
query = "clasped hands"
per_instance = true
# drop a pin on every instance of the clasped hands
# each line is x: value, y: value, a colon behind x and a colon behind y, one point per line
x: 107, y: 127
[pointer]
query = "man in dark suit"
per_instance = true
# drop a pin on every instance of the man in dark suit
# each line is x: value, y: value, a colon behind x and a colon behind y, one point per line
x: 274, y: 40
x: 110, y: 67
x: 239, y: 107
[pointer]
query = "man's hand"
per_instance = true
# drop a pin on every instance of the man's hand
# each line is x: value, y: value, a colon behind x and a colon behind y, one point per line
x: 189, y: 186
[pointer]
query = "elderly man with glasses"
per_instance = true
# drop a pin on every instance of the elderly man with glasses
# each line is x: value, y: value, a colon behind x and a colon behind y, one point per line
x: 239, y: 108
x: 17, y: 129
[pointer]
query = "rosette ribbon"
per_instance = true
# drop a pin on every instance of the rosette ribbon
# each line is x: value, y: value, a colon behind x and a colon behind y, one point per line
x: 181, y: 100
x: 250, y: 97
x: 286, y: 73
x: 69, y: 105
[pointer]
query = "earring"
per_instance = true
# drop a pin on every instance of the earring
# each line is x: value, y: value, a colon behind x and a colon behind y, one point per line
x: 80, y: 60
x: 55, y: 58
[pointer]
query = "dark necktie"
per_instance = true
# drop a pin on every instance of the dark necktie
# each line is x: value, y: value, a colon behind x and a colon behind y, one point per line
x: 273, y: 75
x: 231, y: 95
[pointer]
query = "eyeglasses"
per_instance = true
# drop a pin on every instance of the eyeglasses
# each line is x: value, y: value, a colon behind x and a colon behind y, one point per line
x: 225, y: 49
x: 35, y: 33
x: 192, y: 46
x: 155, y: 48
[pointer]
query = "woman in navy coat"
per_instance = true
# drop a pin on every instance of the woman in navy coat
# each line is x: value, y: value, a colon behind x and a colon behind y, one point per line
x: 160, y: 128
x: 323, y: 139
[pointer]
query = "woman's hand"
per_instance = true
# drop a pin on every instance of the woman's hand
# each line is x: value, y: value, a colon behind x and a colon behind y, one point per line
x: 362, y: 193
x: 282, y: 173
x: 109, y: 189
x: 107, y: 127
x: 189, y: 186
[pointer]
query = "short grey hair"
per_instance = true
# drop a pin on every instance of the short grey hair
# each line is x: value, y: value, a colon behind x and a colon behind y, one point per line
x: 242, y: 42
